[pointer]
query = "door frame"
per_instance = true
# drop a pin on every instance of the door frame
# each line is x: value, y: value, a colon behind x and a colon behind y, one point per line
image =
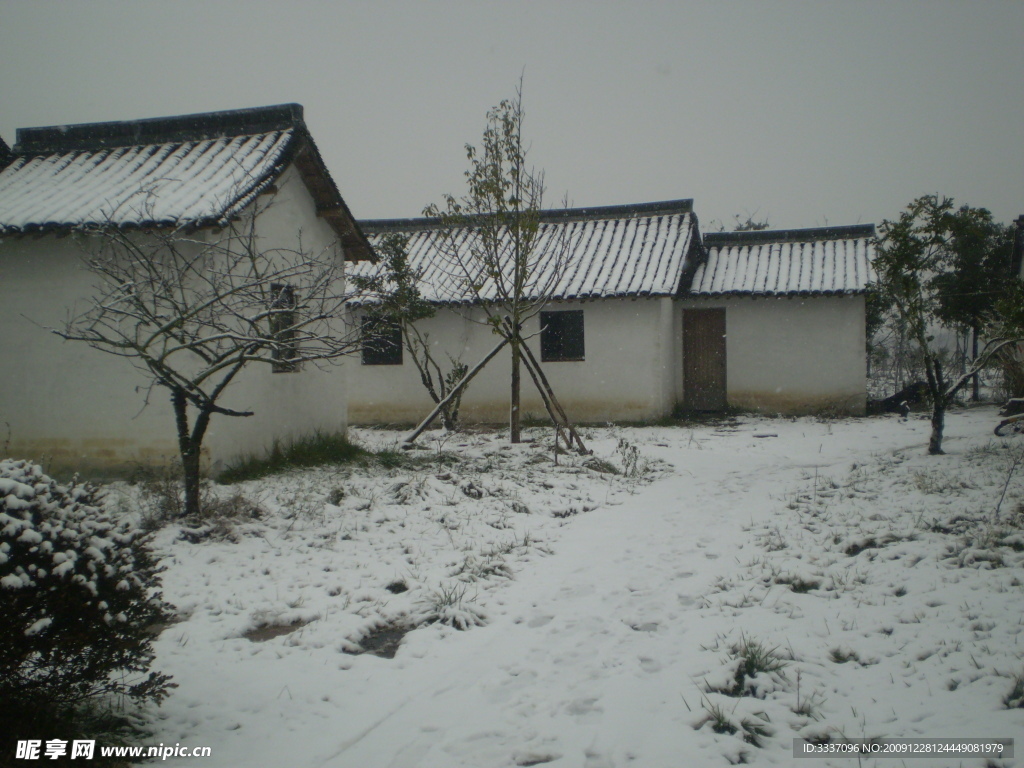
x: 705, y: 359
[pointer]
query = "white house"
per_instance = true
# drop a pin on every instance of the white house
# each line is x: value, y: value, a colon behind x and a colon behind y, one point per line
x: 70, y: 406
x: 648, y: 319
x: 774, y: 321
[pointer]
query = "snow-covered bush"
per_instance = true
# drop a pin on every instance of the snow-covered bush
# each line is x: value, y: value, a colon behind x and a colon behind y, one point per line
x: 77, y: 601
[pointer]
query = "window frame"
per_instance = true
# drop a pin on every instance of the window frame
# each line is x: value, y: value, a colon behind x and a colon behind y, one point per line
x: 555, y: 347
x: 368, y: 355
x: 284, y: 305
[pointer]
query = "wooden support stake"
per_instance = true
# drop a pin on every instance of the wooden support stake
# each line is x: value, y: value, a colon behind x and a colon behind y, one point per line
x: 555, y: 410
x: 547, y: 403
x: 455, y: 390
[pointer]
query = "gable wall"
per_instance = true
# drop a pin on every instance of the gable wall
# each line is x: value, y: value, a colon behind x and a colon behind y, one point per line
x: 625, y: 375
x: 74, y: 408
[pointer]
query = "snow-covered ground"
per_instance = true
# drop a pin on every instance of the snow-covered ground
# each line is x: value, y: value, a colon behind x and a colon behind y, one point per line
x: 566, y: 616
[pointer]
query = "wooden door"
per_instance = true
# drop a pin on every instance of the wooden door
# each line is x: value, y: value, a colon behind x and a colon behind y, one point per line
x: 704, y: 359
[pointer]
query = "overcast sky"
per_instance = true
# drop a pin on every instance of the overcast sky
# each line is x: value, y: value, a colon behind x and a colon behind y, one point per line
x: 804, y: 113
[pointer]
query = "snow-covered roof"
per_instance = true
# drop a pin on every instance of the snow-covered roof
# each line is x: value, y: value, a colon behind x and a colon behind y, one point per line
x: 190, y: 170
x: 825, y: 261
x: 622, y: 250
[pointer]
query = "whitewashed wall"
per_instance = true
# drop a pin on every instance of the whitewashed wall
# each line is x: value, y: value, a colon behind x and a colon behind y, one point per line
x: 794, y: 355
x: 75, y: 408
x: 799, y: 355
x: 627, y: 374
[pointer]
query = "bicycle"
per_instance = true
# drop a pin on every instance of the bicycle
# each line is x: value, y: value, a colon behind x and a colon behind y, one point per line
x: 1014, y: 423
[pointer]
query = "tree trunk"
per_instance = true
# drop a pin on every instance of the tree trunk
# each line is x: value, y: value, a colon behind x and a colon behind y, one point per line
x: 190, y: 467
x: 938, y: 424
x: 975, y: 394
x: 514, y: 416
x: 190, y: 445
x: 936, y: 386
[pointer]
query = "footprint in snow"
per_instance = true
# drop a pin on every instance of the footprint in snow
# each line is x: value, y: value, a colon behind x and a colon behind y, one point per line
x: 535, y: 758
x: 582, y: 707
x: 647, y: 626
x: 650, y: 665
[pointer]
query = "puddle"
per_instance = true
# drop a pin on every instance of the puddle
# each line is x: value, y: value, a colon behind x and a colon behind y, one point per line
x: 383, y: 642
x: 270, y: 631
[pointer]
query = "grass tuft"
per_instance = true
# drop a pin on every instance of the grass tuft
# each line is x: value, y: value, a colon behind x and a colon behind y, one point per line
x: 755, y: 733
x: 719, y: 720
x: 753, y: 658
x: 1015, y: 698
x: 842, y: 656
x: 317, y: 449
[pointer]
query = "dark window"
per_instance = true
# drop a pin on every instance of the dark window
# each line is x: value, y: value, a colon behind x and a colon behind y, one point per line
x: 561, y: 336
x: 382, y: 341
x: 282, y: 328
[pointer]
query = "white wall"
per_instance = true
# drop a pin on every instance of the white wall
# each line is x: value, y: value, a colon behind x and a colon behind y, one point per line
x: 75, y: 408
x: 626, y: 374
x: 794, y: 355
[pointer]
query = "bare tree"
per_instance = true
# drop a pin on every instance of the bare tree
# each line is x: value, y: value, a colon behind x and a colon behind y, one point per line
x: 394, y: 299
x: 191, y: 311
x: 492, y: 242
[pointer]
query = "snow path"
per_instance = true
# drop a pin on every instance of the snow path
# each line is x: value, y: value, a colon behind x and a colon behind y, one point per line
x: 624, y: 579
x: 629, y: 579
x: 599, y: 654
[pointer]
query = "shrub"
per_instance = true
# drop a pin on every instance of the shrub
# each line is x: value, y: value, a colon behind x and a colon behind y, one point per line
x: 77, y: 602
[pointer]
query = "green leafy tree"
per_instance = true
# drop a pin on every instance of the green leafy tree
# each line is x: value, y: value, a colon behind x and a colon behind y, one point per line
x: 976, y: 273
x: 912, y: 251
x: 395, y: 297
x: 1010, y: 313
x: 492, y: 241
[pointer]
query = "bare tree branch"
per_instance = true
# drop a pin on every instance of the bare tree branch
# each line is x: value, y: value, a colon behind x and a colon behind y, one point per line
x: 192, y: 312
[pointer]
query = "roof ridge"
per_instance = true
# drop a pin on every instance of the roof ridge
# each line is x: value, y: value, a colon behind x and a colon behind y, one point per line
x: 201, y: 126
x: 789, y: 235
x: 547, y: 215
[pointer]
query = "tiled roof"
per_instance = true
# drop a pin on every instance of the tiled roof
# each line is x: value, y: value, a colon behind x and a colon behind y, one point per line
x: 831, y: 260
x: 155, y: 184
x: 634, y: 250
x: 191, y: 170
